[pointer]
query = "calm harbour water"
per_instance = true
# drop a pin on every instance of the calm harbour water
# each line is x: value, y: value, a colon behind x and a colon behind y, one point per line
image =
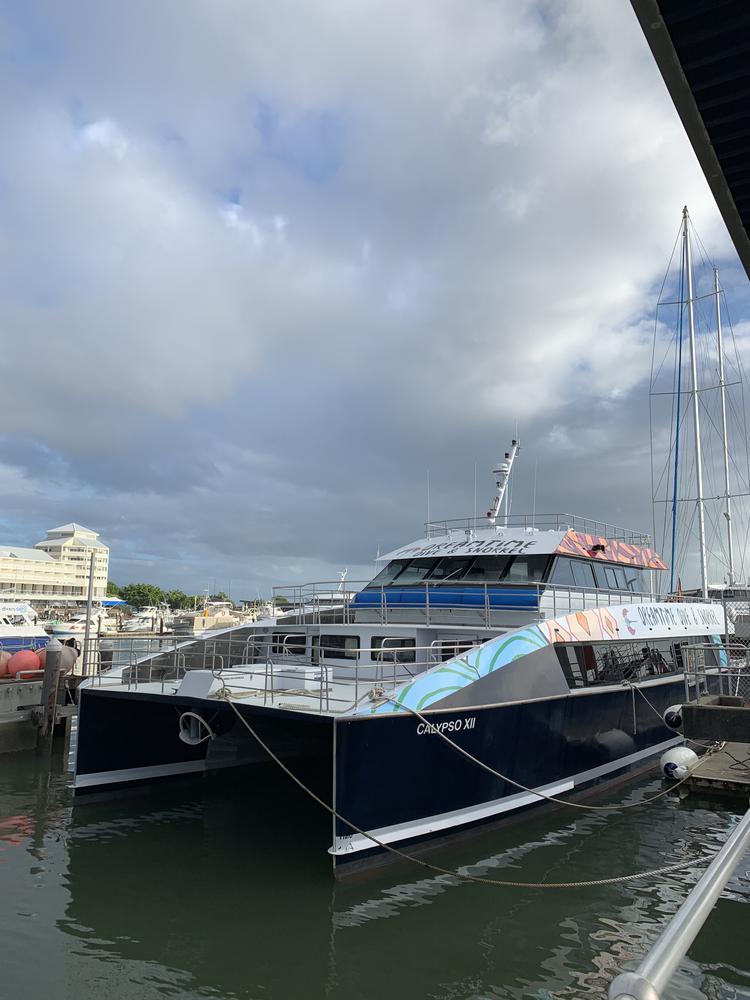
x: 221, y: 888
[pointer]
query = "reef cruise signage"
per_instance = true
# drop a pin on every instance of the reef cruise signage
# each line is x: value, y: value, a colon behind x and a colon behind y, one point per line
x: 509, y: 543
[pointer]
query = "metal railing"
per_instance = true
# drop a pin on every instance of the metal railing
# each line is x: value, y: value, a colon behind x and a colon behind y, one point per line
x: 428, y: 606
x: 728, y: 667
x: 337, y: 680
x: 657, y: 968
x: 539, y: 522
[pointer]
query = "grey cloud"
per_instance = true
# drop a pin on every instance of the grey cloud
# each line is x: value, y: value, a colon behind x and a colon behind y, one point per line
x: 266, y: 266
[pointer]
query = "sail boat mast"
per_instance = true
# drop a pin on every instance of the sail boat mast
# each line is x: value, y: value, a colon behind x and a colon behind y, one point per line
x: 724, y: 436
x: 688, y: 261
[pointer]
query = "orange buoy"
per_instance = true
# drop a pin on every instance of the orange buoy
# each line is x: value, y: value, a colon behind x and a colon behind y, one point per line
x: 24, y: 659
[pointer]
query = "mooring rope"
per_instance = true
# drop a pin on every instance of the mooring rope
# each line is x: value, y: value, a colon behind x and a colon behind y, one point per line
x: 439, y: 869
x: 434, y: 730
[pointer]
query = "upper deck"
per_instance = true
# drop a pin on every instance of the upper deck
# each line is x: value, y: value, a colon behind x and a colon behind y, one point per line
x: 538, y: 522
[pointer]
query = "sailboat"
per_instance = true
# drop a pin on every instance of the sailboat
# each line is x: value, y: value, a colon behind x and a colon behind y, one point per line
x: 689, y: 397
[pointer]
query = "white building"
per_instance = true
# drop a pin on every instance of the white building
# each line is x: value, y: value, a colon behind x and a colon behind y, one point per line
x: 56, y: 569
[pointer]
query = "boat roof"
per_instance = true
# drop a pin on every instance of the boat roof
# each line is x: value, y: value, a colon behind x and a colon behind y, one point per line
x: 495, y: 540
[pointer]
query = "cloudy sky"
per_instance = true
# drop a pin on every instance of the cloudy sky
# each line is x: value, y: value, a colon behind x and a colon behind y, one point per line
x: 264, y: 267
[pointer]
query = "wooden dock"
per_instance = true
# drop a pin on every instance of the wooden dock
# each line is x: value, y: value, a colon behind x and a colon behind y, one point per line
x: 725, y: 772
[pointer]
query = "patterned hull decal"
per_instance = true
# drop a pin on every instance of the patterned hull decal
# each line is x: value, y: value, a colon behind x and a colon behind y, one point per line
x: 449, y: 677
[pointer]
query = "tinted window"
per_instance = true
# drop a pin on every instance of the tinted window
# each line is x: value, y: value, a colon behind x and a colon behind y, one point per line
x: 416, y: 570
x: 583, y: 574
x: 487, y: 569
x: 340, y: 646
x: 610, y: 577
x: 562, y: 572
x: 451, y: 568
x: 633, y: 579
x: 389, y: 572
x: 526, y: 569
x: 394, y: 649
x: 622, y: 580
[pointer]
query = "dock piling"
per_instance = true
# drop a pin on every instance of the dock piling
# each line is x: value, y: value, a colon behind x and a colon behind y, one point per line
x: 50, y: 686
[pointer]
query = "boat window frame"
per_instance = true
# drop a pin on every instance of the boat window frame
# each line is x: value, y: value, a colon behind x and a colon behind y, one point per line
x: 332, y: 653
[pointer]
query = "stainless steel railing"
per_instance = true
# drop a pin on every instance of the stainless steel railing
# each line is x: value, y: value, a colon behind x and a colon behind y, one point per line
x: 540, y: 522
x: 657, y: 968
x: 544, y: 601
x: 338, y: 684
x: 728, y: 666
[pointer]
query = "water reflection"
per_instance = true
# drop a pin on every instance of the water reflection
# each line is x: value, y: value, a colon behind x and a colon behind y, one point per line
x: 223, y: 889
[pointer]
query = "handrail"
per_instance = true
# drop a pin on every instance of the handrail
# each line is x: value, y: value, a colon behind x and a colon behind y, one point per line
x: 659, y: 965
x: 540, y: 522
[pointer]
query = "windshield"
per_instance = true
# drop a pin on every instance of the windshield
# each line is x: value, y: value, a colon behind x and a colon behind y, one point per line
x: 466, y: 569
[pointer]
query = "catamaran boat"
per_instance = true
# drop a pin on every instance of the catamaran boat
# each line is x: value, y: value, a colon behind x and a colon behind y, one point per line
x: 536, y: 645
x: 19, y: 627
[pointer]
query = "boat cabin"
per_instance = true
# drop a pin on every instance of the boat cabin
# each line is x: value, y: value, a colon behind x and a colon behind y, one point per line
x: 495, y: 574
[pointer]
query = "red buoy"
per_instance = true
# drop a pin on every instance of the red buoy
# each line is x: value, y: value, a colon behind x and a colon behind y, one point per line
x: 24, y: 659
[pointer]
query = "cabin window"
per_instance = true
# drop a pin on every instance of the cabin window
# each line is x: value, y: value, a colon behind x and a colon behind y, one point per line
x: 487, y: 569
x: 633, y: 579
x: 583, y: 575
x: 288, y: 643
x: 526, y: 569
x: 610, y: 577
x: 416, y: 570
x: 447, y: 649
x: 339, y: 647
x: 388, y: 573
x: 562, y: 572
x: 393, y: 649
x: 451, y: 568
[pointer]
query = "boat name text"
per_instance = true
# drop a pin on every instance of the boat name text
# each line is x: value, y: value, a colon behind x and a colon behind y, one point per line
x: 448, y: 726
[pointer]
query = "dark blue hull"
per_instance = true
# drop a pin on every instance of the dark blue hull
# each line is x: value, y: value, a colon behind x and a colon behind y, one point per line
x: 388, y: 774
x: 405, y: 784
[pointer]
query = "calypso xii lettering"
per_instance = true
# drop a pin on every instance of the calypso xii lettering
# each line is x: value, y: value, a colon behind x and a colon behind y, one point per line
x: 447, y: 726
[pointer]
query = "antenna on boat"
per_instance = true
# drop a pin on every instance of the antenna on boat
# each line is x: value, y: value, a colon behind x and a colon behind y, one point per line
x: 502, y: 477
x: 724, y: 436
x: 688, y: 264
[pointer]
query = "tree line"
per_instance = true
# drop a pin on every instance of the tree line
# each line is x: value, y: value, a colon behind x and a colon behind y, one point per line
x: 146, y: 595
x: 142, y: 595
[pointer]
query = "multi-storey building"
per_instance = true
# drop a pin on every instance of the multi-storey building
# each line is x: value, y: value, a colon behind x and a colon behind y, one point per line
x: 56, y: 569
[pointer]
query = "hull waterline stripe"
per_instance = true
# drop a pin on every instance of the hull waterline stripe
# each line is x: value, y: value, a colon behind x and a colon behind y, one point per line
x: 142, y: 773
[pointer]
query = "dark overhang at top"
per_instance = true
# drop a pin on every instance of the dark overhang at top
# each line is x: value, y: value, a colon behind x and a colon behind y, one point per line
x: 702, y: 48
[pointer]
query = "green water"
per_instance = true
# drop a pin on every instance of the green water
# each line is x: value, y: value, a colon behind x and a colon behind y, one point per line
x: 222, y: 889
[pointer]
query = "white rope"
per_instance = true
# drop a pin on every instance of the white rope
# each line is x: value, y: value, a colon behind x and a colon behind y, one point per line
x: 543, y: 795
x: 439, y: 869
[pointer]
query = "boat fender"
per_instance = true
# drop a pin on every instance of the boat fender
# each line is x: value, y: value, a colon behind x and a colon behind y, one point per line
x: 673, y: 717
x: 677, y: 763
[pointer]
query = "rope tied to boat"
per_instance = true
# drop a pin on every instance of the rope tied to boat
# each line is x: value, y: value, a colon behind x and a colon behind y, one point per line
x: 543, y: 795
x: 440, y: 869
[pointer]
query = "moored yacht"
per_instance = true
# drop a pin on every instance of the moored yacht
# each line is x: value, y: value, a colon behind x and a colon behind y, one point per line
x: 19, y: 627
x: 537, y: 645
